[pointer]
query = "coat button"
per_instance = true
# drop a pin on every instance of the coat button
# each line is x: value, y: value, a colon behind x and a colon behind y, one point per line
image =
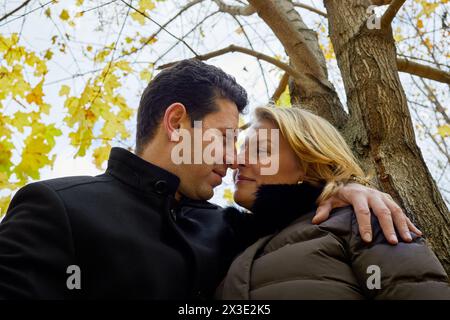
x: 161, y: 186
x: 200, y: 295
x: 173, y: 214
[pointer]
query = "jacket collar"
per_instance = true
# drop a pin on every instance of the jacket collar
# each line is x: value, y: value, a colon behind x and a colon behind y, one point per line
x: 140, y: 174
x: 278, y: 205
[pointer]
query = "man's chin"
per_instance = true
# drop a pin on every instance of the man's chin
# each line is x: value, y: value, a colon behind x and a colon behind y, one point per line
x: 203, y: 194
x: 208, y: 194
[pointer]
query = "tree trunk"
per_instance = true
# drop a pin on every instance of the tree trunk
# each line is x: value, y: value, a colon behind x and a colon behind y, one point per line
x: 379, y: 127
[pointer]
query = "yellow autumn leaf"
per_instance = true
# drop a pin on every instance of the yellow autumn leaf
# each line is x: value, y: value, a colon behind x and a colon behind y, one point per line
x: 420, y: 24
x: 48, y: 54
x: 64, y: 15
x: 36, y: 94
x: 48, y: 12
x: 79, y: 2
x: 145, y: 75
x: 64, y: 91
x: 428, y: 43
x: 21, y: 120
x: 397, y: 35
x: 124, y: 66
x: 5, y: 155
x: 148, y: 40
x: 285, y: 99
x: 34, y: 157
x: 4, y: 204
x: 444, y: 131
x: 100, y: 57
x: 146, y: 5
x: 100, y: 155
x: 427, y: 8
x: 137, y: 16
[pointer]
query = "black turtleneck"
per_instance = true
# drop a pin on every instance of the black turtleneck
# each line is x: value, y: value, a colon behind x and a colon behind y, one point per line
x: 275, y: 207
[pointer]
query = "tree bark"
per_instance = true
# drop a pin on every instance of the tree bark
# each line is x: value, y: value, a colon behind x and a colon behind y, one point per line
x: 380, y: 127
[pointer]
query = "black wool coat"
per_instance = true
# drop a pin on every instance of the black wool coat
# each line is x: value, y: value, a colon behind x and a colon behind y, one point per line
x: 124, y: 231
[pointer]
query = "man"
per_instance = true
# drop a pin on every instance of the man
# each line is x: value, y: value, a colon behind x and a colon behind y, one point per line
x: 144, y: 229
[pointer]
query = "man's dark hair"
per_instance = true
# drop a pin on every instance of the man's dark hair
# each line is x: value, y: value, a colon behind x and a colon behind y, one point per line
x: 191, y: 82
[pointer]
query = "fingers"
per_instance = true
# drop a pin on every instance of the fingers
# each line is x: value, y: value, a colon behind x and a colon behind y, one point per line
x: 399, y: 218
x: 362, y: 213
x: 413, y: 228
x: 384, y: 216
x: 322, y: 212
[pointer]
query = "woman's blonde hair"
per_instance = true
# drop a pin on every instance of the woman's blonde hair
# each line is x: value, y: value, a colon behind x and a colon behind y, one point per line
x: 323, y: 153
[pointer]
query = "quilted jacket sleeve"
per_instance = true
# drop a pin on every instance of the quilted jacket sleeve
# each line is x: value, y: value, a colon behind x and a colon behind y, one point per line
x: 403, y: 271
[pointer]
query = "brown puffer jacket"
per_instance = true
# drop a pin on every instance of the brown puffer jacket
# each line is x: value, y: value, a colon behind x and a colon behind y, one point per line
x: 326, y: 261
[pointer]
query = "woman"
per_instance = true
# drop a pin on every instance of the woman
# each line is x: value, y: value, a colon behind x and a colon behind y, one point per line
x: 295, y: 259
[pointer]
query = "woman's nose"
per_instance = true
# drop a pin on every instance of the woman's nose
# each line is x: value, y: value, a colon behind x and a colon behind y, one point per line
x: 241, y: 159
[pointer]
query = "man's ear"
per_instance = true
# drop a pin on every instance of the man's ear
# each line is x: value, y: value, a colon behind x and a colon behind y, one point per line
x: 174, y: 118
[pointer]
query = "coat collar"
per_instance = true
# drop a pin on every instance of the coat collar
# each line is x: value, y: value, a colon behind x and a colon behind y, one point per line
x: 278, y: 205
x: 140, y: 174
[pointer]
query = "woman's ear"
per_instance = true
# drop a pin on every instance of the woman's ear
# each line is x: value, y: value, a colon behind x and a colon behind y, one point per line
x: 174, y: 117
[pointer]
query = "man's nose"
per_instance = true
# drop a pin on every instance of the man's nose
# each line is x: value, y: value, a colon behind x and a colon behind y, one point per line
x: 231, y: 160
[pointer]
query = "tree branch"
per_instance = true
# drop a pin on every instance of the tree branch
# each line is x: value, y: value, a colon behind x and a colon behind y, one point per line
x: 162, y: 27
x: 432, y: 98
x: 312, y: 9
x: 159, y: 25
x: 249, y: 10
x: 281, y: 87
x: 390, y: 13
x: 427, y: 131
x: 15, y: 10
x: 424, y: 60
x: 235, y: 10
x: 404, y: 65
x: 251, y: 47
x: 234, y: 48
x: 195, y: 27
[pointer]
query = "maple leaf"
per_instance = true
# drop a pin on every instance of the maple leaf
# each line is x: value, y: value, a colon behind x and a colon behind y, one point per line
x: 444, y: 131
x: 101, y: 154
x: 36, y: 94
x: 145, y: 75
x: 64, y: 91
x: 139, y: 17
x: 64, y: 15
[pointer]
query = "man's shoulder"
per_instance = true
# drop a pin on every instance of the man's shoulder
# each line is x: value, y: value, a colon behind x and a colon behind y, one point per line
x: 59, y: 184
